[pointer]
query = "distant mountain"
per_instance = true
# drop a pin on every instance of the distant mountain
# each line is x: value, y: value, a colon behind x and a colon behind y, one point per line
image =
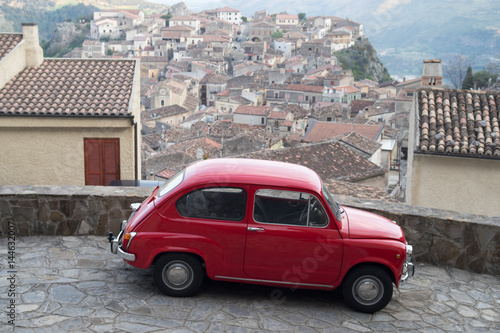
x: 404, y: 32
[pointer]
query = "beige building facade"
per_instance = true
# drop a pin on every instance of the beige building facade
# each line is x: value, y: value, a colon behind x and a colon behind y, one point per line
x: 451, y: 165
x: 455, y: 184
x: 66, y: 121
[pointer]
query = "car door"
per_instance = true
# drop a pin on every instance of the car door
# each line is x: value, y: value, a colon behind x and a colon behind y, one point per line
x: 291, y: 238
x: 209, y: 221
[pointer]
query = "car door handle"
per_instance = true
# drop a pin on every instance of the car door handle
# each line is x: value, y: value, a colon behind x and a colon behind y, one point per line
x: 255, y: 229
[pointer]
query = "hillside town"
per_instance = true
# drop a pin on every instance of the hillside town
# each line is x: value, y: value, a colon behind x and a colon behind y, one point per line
x: 150, y: 94
x: 161, y: 140
x: 216, y: 84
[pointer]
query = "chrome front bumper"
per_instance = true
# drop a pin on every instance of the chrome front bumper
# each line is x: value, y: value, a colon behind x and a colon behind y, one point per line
x: 116, y: 242
x: 408, y: 267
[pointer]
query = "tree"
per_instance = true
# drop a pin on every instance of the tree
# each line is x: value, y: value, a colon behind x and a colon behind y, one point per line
x: 455, y: 69
x: 277, y: 34
x: 469, y: 79
x: 485, y: 78
x: 167, y: 18
x: 302, y: 16
x: 244, y: 19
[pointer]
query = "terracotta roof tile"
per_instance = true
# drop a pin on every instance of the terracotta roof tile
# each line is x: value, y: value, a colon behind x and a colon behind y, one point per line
x: 458, y: 122
x: 8, y: 42
x: 355, y: 190
x: 277, y: 115
x: 361, y: 142
x: 70, y: 88
x: 167, y: 173
x: 330, y: 160
x: 253, y: 110
x: 321, y: 131
x: 305, y: 87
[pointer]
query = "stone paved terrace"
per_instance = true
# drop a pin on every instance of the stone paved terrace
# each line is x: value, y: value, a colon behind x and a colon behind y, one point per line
x: 75, y: 284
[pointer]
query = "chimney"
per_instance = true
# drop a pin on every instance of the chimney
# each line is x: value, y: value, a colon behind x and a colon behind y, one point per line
x: 33, y: 51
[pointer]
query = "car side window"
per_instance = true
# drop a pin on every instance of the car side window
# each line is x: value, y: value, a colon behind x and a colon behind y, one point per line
x: 220, y: 203
x: 289, y: 207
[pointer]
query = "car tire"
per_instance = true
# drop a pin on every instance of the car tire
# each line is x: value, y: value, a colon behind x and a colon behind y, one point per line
x: 178, y: 274
x: 367, y: 289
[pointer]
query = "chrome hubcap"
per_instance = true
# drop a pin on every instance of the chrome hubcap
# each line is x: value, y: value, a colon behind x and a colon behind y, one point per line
x: 368, y: 290
x: 177, y: 275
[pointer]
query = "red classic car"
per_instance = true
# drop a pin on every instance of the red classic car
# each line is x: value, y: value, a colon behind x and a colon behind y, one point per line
x: 263, y: 222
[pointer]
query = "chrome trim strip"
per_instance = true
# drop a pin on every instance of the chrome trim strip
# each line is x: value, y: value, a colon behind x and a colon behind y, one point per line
x: 277, y: 282
x: 135, y: 205
x: 124, y: 255
x: 115, y: 243
x: 132, y: 235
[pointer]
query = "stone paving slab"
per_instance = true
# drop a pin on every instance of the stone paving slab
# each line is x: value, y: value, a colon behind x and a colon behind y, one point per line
x: 68, y: 284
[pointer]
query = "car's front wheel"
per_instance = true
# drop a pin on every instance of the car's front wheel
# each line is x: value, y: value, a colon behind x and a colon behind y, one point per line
x: 178, y: 274
x: 367, y: 289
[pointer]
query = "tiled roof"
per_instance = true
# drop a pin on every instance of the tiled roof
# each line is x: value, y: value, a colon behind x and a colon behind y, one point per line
x: 215, y: 38
x: 253, y: 110
x: 228, y: 9
x: 330, y: 160
x: 214, y: 79
x: 361, y: 142
x: 167, y: 173
x: 166, y: 111
x: 184, y: 18
x: 277, y: 115
x: 347, y: 89
x: 191, y: 147
x: 70, y: 88
x: 223, y: 93
x: 458, y: 122
x: 305, y: 87
x: 359, y: 105
x: 332, y: 109
x: 321, y: 131
x: 284, y: 16
x: 240, y: 100
x: 355, y: 190
x: 8, y: 42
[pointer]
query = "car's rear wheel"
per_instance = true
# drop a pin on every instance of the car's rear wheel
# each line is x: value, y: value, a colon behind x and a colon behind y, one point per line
x: 178, y: 274
x: 367, y: 289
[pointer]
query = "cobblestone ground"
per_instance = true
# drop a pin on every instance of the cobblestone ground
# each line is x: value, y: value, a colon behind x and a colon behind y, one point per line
x: 75, y: 284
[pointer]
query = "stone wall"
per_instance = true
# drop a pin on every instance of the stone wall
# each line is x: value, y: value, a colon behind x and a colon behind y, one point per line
x: 66, y: 210
x: 444, y: 238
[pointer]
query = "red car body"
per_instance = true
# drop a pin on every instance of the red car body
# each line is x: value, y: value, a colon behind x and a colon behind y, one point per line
x: 289, y: 247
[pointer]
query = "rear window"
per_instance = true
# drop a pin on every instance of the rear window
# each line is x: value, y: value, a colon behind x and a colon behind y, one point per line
x: 171, y: 184
x: 219, y: 203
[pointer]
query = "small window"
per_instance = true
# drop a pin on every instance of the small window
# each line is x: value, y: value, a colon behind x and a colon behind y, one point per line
x: 288, y: 207
x: 218, y: 203
x: 171, y: 184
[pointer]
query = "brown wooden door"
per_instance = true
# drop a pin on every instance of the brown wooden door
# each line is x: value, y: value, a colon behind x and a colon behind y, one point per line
x: 102, y: 161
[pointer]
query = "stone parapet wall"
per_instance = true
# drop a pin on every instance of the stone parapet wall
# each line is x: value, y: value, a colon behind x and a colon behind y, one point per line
x: 66, y: 210
x: 444, y: 238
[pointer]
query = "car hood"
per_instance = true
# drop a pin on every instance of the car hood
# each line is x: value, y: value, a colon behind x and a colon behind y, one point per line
x: 365, y: 225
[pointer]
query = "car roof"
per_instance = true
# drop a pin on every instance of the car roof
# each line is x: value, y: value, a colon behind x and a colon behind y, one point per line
x: 252, y: 171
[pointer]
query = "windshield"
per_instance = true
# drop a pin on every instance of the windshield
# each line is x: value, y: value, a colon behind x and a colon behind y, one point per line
x: 334, y: 205
x: 171, y: 184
